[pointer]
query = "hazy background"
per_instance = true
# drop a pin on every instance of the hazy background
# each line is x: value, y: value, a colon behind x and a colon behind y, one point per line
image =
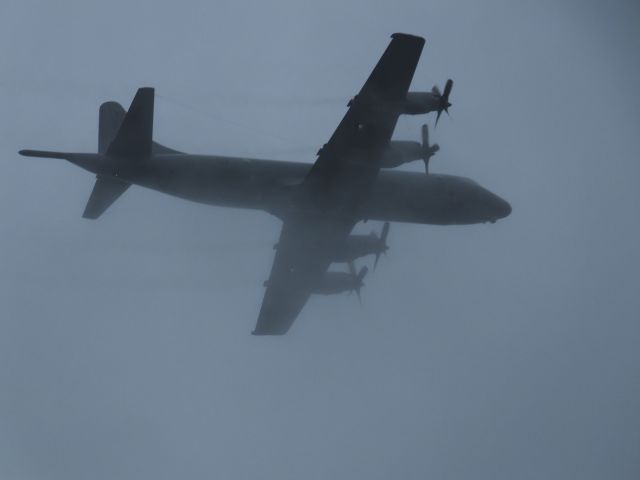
x: 506, y: 351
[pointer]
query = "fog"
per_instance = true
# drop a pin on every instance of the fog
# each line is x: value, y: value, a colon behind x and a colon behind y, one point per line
x: 486, y: 351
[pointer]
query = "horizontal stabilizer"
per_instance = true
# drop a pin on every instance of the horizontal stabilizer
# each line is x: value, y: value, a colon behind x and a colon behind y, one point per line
x: 134, y: 135
x: 105, y: 191
x: 44, y: 154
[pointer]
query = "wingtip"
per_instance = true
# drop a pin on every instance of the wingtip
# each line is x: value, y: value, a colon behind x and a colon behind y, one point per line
x: 147, y: 91
x: 407, y: 36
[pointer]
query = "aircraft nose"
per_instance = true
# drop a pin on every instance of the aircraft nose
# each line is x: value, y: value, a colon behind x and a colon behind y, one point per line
x: 495, y: 207
x: 505, y: 208
x: 502, y: 208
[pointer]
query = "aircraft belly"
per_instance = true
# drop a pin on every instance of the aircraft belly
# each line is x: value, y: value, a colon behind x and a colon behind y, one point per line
x: 212, y: 181
x: 410, y: 201
x: 267, y: 185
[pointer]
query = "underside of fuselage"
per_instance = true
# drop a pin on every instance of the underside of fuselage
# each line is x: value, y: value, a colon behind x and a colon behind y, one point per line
x: 268, y: 185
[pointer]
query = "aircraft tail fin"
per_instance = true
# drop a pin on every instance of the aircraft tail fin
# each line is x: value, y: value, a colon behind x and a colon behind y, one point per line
x: 134, y: 135
x: 121, y: 134
x: 111, y: 116
x: 105, y: 191
x: 110, y: 119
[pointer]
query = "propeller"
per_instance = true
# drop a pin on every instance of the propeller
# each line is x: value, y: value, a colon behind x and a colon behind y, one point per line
x: 444, y: 98
x: 358, y: 278
x: 383, y: 243
x: 428, y: 150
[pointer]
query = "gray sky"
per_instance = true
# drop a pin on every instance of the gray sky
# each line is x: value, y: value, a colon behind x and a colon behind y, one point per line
x: 488, y: 352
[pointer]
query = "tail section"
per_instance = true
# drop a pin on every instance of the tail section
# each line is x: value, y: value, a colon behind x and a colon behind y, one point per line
x: 105, y: 191
x: 45, y: 154
x: 110, y: 119
x: 123, y: 136
x: 133, y: 138
x: 111, y: 116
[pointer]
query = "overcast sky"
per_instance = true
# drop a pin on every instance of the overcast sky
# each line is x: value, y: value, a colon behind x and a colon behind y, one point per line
x: 506, y: 351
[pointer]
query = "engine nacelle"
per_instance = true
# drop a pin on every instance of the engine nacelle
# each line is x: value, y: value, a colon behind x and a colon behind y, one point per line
x: 400, y: 152
x: 335, y: 282
x: 356, y: 246
x: 418, y: 103
x: 338, y: 282
x: 415, y: 103
x: 425, y: 102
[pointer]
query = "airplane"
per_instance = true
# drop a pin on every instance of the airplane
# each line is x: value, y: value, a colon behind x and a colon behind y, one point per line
x: 319, y: 204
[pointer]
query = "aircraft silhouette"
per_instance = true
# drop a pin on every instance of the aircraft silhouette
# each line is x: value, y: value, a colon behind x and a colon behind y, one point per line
x: 318, y: 204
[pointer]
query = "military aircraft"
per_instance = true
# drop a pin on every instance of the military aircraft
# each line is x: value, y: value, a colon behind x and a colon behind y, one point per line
x: 318, y: 204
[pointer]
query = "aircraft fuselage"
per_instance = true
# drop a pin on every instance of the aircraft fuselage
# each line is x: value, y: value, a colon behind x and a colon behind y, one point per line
x: 268, y: 185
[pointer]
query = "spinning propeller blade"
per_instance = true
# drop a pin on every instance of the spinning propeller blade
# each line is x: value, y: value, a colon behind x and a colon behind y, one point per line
x: 358, y: 279
x: 425, y: 135
x: 447, y: 92
x: 352, y: 269
x: 444, y: 99
x: 383, y: 247
x: 385, y: 233
x: 428, y: 150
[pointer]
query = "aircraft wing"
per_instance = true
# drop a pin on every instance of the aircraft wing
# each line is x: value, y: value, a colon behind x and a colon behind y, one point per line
x: 366, y: 128
x: 325, y: 206
x: 303, y: 254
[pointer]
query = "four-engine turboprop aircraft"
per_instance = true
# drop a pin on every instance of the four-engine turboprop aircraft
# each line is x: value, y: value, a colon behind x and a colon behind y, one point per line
x: 318, y: 204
